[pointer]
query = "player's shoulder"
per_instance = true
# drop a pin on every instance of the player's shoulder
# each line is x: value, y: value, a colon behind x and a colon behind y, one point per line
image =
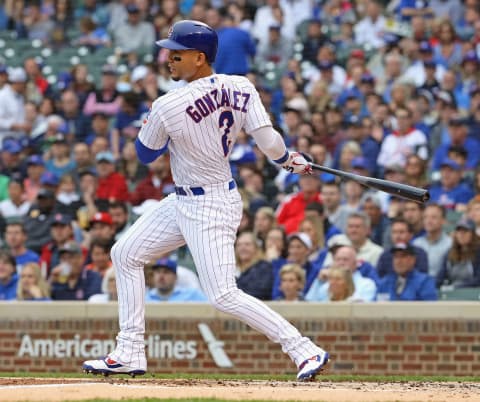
x: 236, y: 80
x: 172, y: 96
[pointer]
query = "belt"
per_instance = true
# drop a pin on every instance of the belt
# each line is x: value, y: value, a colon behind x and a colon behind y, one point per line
x: 185, y: 190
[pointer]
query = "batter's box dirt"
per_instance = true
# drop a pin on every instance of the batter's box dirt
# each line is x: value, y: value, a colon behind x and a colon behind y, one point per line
x: 77, y: 389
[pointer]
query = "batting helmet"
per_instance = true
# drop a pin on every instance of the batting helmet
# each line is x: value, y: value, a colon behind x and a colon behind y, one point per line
x: 189, y: 35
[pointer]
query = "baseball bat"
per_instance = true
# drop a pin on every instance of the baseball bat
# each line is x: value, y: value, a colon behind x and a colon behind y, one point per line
x: 416, y: 194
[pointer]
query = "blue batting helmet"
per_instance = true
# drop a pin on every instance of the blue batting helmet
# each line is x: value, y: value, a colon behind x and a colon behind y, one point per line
x: 189, y: 35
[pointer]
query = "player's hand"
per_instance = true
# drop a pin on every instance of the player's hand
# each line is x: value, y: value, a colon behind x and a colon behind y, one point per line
x: 296, y: 163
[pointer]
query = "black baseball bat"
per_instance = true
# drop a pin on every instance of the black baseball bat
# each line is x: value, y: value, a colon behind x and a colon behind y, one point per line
x: 416, y: 194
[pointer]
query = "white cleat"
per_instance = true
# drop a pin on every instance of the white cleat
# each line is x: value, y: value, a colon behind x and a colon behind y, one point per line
x: 109, y: 366
x: 311, y: 367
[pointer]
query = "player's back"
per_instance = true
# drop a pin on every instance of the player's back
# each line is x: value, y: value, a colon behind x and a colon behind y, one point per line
x: 202, y: 121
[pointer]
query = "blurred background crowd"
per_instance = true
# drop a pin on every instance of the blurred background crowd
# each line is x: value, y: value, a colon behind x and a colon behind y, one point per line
x: 382, y: 88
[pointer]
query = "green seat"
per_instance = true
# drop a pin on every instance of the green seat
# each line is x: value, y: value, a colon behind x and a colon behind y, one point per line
x: 460, y: 294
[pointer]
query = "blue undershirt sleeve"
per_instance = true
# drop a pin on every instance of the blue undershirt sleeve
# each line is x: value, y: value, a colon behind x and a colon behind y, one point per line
x: 146, y: 154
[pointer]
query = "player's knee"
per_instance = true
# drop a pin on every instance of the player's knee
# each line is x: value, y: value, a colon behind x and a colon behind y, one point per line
x: 118, y: 253
x: 226, y: 301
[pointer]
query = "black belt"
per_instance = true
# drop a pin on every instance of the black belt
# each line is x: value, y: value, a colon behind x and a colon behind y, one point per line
x: 199, y: 190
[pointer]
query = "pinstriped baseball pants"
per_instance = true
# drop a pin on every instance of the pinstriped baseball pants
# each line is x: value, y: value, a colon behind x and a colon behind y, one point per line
x: 208, y: 225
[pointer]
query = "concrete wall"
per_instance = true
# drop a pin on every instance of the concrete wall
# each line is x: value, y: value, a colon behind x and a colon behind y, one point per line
x: 438, y: 338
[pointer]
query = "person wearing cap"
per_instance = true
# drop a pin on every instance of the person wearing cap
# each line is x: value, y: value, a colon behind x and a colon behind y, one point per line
x: 165, y: 287
x: 343, y: 257
x: 106, y: 99
x: 403, y: 141
x: 112, y: 185
x: 314, y: 39
x: 299, y: 247
x: 60, y: 161
x: 134, y: 33
x: 458, y: 136
x: 70, y: 280
x: 255, y: 273
x: 13, y: 121
x: 35, y: 169
x: 461, y: 267
x: 277, y: 49
x: 8, y: 276
x: 400, y: 232
x: 38, y: 219
x: 101, y: 227
x: 61, y: 232
x: 451, y: 192
x: 406, y: 283
x: 15, y: 240
x: 15, y: 206
x: 370, y: 29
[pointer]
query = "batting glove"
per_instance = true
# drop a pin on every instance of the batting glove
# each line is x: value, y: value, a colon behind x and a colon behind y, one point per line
x: 297, y: 163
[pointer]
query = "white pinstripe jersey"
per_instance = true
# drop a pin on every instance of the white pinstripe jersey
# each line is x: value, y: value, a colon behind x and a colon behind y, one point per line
x: 200, y: 122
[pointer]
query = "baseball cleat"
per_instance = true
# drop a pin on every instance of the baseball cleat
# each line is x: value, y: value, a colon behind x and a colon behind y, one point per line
x: 311, y: 367
x: 109, y: 366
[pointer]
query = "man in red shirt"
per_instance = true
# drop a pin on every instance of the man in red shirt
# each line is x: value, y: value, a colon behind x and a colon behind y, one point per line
x: 292, y: 210
x: 112, y: 185
x: 157, y: 185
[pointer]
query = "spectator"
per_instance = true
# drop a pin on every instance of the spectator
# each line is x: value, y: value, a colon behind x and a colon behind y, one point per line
x: 401, y: 232
x: 451, y: 192
x: 331, y: 197
x: 12, y: 106
x: 15, y: 206
x: 413, y: 213
x: 314, y: 39
x: 69, y: 280
x: 458, y: 136
x: 37, y: 85
x: 264, y: 220
x: 92, y: 9
x: 344, y: 257
x: 61, y: 232
x: 60, y: 162
x: 112, y: 185
x: 299, y: 247
x: 235, y: 48
x: 102, y: 227
x: 416, y: 171
x: 67, y: 196
x: 92, y: 36
x: 38, y: 220
x: 275, y: 246
x: 357, y: 232
x: 314, y: 227
x: 165, y: 286
x: 406, y: 283
x: 292, y: 282
x: 31, y: 183
x: 133, y: 34
x: 405, y: 141
x: 101, y: 130
x: 157, y: 185
x: 340, y: 285
x: 371, y: 204
x: 34, y: 26
x: 109, y: 289
x: 448, y: 51
x: 435, y: 241
x: 15, y: 238
x: 255, y: 273
x: 461, y: 267
x: 120, y: 217
x: 277, y: 50
x: 8, y: 276
x: 100, y: 256
x: 132, y: 169
x: 77, y: 125
x: 31, y: 285
x: 292, y: 210
x: 87, y: 190
x: 106, y: 99
x: 369, y: 30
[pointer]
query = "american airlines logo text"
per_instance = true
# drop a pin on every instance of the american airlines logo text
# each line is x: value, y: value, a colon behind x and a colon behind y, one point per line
x: 156, y: 347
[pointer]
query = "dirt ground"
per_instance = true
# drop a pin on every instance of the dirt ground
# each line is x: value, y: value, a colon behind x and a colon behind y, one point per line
x: 58, y: 389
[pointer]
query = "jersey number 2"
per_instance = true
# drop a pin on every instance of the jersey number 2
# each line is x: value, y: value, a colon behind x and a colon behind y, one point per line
x: 225, y: 121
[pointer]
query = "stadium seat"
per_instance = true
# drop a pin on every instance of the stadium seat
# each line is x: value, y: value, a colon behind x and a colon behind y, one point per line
x: 459, y: 294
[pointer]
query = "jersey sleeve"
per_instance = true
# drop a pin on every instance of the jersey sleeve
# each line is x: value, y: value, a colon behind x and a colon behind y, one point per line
x: 153, y: 134
x: 257, y: 116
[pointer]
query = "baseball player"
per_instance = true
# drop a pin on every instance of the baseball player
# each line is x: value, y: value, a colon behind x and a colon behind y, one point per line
x: 198, y: 124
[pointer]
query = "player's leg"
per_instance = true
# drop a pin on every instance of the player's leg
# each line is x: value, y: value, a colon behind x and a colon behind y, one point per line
x: 210, y: 236
x: 153, y: 234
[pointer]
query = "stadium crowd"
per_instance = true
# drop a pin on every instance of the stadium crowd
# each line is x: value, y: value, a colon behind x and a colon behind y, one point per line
x: 384, y: 89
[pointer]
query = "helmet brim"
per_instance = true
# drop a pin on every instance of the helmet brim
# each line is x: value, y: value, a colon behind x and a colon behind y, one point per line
x: 171, y: 45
